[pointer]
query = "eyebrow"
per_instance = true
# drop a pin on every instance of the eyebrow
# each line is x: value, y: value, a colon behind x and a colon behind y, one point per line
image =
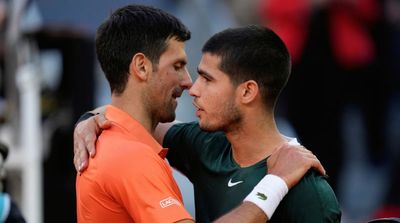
x: 204, y: 74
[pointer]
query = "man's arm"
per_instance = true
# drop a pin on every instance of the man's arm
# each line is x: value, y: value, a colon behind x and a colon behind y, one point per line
x: 89, y: 127
x: 162, y: 129
x: 290, y: 165
x: 85, y: 135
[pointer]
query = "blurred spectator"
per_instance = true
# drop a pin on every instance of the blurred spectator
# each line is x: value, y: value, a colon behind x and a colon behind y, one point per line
x: 391, y: 205
x: 334, y: 48
x: 345, y: 64
x: 9, y: 211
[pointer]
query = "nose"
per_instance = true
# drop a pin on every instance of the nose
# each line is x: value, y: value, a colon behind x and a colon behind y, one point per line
x: 194, y: 91
x: 186, y: 81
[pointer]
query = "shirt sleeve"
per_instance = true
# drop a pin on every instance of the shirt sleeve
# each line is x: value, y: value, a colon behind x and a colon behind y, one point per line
x: 142, y: 181
x: 311, y: 200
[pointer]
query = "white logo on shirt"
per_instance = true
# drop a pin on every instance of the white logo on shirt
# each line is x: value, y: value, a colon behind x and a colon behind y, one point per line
x: 169, y: 201
x: 231, y: 184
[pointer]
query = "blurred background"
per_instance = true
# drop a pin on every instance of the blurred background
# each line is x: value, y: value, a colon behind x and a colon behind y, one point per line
x: 342, y: 100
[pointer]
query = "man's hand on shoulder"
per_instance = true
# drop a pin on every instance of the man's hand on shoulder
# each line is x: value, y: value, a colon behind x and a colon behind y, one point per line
x: 85, y: 136
x: 291, y: 163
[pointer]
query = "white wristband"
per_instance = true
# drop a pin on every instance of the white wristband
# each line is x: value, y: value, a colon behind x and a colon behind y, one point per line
x: 268, y: 193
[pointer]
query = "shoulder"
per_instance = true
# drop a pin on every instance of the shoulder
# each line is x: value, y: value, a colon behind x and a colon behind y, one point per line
x: 126, y: 157
x: 315, y: 187
x: 127, y: 167
x: 313, y: 199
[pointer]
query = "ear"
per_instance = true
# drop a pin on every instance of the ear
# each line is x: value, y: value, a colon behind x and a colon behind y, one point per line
x: 248, y: 91
x: 140, y: 66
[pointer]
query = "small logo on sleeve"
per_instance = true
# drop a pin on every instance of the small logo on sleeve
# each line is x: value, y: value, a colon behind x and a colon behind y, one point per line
x: 169, y: 201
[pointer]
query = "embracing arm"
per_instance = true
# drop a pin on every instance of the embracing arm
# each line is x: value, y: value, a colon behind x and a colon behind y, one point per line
x: 86, y: 131
x: 89, y: 127
x: 162, y: 129
x: 286, y: 167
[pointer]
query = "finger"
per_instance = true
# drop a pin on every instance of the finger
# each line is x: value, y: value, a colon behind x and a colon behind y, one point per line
x: 80, y: 157
x: 89, y: 144
x: 102, y: 122
x: 83, y: 159
x: 316, y: 165
x: 83, y: 166
x: 91, y: 150
x: 77, y: 161
x: 77, y: 148
x: 80, y: 153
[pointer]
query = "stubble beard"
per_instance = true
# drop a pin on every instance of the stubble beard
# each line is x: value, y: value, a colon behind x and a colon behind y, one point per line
x: 167, y: 113
x: 159, y: 111
x: 225, y: 121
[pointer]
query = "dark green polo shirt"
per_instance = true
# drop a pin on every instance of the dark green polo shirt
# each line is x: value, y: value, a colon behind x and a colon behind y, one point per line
x: 220, y: 184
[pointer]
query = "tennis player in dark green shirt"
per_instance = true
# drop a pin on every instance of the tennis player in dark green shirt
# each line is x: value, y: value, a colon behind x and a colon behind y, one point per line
x: 220, y: 183
x: 241, y: 75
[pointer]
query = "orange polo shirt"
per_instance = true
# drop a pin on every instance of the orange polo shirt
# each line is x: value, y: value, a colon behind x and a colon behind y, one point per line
x: 128, y: 180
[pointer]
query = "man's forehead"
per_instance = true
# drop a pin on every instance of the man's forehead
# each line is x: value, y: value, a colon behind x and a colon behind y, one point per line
x: 209, y: 60
x: 210, y: 66
x: 175, y: 50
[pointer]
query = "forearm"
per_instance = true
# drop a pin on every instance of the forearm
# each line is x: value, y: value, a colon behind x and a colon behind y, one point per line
x: 263, y: 200
x: 246, y: 212
x: 261, y: 203
x: 162, y: 129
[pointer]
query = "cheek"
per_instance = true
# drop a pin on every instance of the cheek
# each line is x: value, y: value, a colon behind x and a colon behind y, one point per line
x: 170, y: 80
x: 163, y: 87
x: 215, y: 103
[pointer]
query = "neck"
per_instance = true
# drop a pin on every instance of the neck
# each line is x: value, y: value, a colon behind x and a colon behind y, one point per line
x: 136, y: 109
x: 254, y: 139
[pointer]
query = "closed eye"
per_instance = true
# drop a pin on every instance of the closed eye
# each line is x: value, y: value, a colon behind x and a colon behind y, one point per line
x: 180, y: 65
x: 177, y: 67
x: 204, y: 75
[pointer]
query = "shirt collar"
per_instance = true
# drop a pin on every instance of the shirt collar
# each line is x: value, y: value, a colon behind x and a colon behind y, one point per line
x: 134, y: 129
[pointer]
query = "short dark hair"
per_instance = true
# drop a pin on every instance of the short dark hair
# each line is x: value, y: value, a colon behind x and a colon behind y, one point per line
x: 130, y: 30
x: 254, y: 53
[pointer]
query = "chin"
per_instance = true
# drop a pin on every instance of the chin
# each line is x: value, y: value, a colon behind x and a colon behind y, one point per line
x: 168, y: 118
x: 208, y: 128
